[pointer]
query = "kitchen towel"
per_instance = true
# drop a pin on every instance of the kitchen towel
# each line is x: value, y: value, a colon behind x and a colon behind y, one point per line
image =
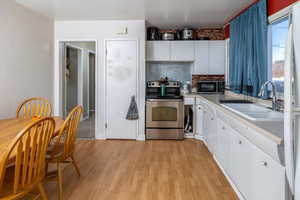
x: 133, y: 113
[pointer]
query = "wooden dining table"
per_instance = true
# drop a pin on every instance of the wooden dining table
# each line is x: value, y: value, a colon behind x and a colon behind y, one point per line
x: 9, y: 129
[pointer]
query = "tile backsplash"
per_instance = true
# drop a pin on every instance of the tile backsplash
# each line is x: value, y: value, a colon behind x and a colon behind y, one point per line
x: 175, y: 71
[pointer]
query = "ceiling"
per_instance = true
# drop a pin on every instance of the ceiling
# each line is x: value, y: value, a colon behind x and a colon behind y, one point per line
x: 161, y: 13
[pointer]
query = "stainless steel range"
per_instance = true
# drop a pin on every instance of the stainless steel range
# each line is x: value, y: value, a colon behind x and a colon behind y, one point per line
x: 164, y: 111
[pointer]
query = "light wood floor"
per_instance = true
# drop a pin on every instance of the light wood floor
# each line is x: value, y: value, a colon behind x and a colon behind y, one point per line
x: 152, y: 170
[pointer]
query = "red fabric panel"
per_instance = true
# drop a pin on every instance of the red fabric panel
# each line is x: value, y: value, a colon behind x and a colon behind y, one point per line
x: 273, y: 7
x: 227, y: 31
x: 276, y: 5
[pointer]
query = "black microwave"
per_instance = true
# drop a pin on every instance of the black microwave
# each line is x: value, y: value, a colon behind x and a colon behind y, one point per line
x: 211, y: 87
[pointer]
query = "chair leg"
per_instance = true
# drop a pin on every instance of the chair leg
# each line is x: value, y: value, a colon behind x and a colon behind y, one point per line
x: 75, y: 165
x: 46, y: 168
x: 42, y: 191
x: 60, y: 189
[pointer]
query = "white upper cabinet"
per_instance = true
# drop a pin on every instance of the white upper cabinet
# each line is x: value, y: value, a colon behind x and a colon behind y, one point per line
x: 201, y: 64
x: 208, y: 56
x: 182, y: 51
x: 158, y: 51
x: 216, y: 57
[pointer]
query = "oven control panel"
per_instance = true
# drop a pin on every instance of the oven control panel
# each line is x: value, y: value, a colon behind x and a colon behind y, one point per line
x: 153, y: 84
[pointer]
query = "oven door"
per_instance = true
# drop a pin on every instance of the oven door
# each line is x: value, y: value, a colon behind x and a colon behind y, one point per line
x: 164, y: 113
x: 207, y: 87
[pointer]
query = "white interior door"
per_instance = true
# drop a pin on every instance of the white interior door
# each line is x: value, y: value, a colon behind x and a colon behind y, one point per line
x: 121, y: 84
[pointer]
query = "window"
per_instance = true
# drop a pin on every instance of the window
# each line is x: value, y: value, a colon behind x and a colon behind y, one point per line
x: 278, y: 38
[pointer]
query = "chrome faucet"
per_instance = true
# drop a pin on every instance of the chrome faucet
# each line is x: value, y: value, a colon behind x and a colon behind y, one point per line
x: 275, y: 102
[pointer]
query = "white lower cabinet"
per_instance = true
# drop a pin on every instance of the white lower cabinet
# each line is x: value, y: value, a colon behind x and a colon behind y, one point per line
x: 268, y: 177
x: 255, y: 174
x: 205, y: 122
x: 241, y: 161
x: 210, y: 128
x: 223, y: 144
x: 199, y: 123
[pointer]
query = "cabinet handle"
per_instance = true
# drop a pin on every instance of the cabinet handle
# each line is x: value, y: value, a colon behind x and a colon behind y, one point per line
x: 223, y: 128
x: 240, y: 142
x: 264, y: 163
x: 212, y: 118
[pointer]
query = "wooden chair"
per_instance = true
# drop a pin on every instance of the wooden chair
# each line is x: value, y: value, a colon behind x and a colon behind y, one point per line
x: 63, y: 147
x: 34, y: 107
x: 22, y: 168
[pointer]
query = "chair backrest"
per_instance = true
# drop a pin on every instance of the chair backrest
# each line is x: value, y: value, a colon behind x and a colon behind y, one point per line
x: 34, y: 107
x: 27, y: 153
x: 67, y: 134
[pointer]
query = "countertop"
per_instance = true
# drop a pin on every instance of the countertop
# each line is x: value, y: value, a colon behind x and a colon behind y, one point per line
x: 274, y: 130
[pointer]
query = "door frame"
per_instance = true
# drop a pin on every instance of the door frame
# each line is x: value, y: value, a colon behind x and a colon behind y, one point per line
x: 58, y: 73
x: 88, y: 81
x: 137, y: 79
x: 79, y: 75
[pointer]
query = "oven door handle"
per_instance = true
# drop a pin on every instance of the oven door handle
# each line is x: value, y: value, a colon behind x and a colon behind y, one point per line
x: 165, y: 100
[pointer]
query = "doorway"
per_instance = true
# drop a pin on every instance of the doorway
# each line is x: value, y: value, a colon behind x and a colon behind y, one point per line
x: 73, y: 64
x: 78, y: 65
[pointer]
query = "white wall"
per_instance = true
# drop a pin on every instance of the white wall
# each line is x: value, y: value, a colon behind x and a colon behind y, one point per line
x: 26, y: 54
x: 99, y: 31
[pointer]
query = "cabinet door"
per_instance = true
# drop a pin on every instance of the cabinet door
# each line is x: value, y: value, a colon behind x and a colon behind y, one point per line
x: 158, y: 51
x: 182, y: 50
x: 241, y: 163
x: 201, y: 63
x: 200, y: 120
x: 212, y: 136
x: 216, y: 57
x: 268, y: 177
x: 222, y: 144
x: 206, y: 127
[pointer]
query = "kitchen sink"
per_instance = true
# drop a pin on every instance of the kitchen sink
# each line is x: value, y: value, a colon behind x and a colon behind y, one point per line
x: 235, y: 101
x: 254, y: 112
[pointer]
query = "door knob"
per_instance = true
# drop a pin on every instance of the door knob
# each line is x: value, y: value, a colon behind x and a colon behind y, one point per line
x: 240, y: 142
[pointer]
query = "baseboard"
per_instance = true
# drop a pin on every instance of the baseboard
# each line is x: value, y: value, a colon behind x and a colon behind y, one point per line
x: 199, y: 137
x: 141, y: 138
x: 100, y: 137
x: 89, y: 139
x: 84, y: 118
x: 236, y: 190
x: 189, y: 136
